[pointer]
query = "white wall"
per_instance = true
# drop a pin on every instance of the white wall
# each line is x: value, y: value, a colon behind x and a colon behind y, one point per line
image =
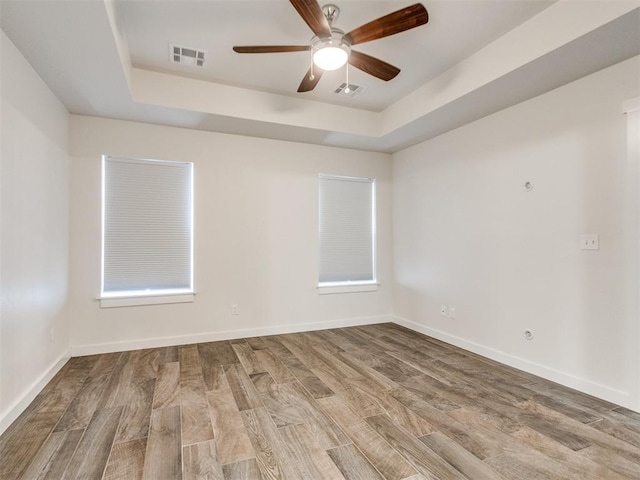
x: 33, y: 234
x: 255, y: 234
x: 467, y: 235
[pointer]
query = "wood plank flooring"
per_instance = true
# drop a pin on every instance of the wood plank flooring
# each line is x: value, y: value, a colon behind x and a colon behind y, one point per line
x: 372, y: 402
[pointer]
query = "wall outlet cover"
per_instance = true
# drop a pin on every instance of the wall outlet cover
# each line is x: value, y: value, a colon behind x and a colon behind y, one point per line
x: 589, y: 241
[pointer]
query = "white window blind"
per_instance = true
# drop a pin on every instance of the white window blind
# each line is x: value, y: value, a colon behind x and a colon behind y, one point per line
x: 147, y: 227
x: 347, y: 230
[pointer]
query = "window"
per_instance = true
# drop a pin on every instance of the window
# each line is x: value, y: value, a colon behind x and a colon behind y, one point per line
x: 147, y: 231
x: 347, y: 234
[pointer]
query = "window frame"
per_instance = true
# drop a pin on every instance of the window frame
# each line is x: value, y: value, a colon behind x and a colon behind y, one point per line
x: 147, y: 296
x: 353, y: 286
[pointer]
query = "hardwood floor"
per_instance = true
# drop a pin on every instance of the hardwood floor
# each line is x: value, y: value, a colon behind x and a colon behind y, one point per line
x: 372, y: 402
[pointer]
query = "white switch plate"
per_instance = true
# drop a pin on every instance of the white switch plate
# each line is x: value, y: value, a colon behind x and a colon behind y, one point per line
x: 589, y: 241
x: 443, y: 310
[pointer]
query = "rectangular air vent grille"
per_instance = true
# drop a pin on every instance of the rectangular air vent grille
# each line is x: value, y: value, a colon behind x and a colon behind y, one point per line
x: 354, y: 90
x: 186, y: 55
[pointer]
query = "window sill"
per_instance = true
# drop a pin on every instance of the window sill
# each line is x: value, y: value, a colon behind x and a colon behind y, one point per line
x: 132, y: 301
x: 351, y: 288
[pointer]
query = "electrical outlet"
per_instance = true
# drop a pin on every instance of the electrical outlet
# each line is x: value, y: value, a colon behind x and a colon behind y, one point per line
x: 452, y: 312
x: 234, y: 309
x: 443, y: 310
x: 589, y: 241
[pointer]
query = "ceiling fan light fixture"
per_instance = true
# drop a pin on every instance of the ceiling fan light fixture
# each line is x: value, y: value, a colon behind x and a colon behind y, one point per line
x: 330, y: 53
x: 330, y: 58
x: 330, y: 48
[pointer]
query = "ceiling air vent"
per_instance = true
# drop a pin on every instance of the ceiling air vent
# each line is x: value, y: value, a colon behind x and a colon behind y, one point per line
x: 353, y: 91
x: 186, y: 55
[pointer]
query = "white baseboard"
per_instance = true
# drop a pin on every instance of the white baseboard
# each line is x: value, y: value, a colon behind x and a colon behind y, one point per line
x: 81, y: 350
x: 618, y: 397
x: 9, y: 416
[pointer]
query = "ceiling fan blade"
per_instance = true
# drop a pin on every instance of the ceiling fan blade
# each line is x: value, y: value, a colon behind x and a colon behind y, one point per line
x: 396, y: 22
x: 309, y: 83
x: 312, y: 14
x: 272, y: 49
x: 373, y: 66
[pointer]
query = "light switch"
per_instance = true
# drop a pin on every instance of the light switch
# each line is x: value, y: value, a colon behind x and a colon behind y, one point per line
x: 589, y: 241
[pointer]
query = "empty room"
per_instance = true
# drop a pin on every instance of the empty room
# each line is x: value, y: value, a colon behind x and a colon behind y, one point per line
x: 287, y: 239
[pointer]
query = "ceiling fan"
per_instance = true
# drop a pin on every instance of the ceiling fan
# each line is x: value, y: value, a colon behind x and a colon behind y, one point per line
x: 331, y: 47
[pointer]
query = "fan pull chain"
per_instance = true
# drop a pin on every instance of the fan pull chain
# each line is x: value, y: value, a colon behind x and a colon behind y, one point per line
x: 346, y: 69
x: 311, y: 76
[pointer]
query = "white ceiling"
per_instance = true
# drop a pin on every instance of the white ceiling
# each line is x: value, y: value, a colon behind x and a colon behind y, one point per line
x: 456, y: 30
x: 110, y: 58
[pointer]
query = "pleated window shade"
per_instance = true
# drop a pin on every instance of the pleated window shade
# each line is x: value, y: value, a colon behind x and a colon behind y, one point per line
x: 147, y: 227
x: 347, y: 230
